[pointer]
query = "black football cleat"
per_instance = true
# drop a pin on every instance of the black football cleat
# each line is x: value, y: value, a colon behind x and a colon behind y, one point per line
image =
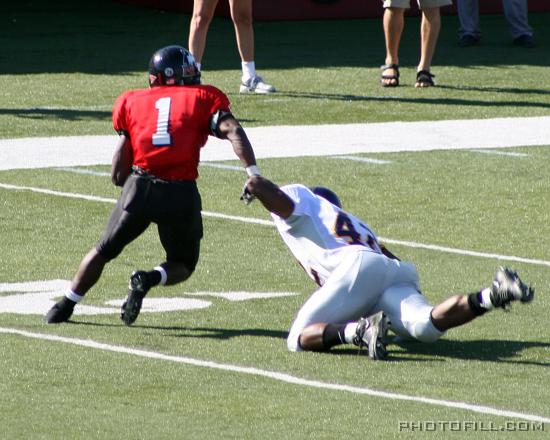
x: 137, y: 289
x: 60, y: 312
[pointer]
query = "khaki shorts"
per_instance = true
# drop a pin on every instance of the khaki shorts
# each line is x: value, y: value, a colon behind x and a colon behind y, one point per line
x: 406, y: 4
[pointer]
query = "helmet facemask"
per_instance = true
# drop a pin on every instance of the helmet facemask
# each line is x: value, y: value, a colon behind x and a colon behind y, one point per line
x: 173, y: 65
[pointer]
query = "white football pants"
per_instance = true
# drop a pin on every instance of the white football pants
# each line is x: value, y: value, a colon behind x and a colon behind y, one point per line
x: 363, y: 284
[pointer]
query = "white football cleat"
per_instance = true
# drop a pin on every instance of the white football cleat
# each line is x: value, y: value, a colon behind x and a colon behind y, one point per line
x: 371, y: 333
x: 507, y: 287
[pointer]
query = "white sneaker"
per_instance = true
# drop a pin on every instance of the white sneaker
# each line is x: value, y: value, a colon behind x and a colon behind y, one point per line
x: 371, y: 333
x: 508, y: 287
x: 256, y: 84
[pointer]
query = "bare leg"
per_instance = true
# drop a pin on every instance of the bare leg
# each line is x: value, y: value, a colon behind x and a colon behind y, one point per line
x: 88, y: 272
x: 86, y: 276
x: 175, y: 272
x: 393, y: 23
x: 429, y: 33
x: 311, y: 337
x: 241, y: 14
x: 452, y: 312
x: 203, y: 11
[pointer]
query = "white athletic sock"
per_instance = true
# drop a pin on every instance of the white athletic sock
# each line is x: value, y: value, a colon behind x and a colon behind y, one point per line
x: 485, y: 299
x: 75, y: 297
x: 198, y: 66
x: 349, y: 332
x: 249, y: 70
x: 163, y: 275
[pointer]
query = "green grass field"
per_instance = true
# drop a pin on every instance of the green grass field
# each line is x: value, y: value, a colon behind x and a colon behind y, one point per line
x: 62, y: 67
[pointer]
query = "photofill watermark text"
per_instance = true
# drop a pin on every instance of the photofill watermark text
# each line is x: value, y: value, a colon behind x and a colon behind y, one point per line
x: 468, y: 425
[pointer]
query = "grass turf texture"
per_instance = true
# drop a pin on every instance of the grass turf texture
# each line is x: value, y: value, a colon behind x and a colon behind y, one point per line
x: 64, y: 64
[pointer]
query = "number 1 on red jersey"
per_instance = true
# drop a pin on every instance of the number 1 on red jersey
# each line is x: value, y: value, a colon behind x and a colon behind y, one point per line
x: 162, y: 138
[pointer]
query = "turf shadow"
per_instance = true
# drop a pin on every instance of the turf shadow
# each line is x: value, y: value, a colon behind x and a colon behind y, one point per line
x: 58, y: 113
x: 194, y: 332
x: 491, y: 102
x: 486, y: 350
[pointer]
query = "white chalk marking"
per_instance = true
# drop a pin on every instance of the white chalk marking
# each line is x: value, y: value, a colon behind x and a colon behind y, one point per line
x: 221, y: 166
x: 84, y: 171
x: 37, y: 297
x: 500, y: 153
x: 297, y: 141
x: 363, y: 159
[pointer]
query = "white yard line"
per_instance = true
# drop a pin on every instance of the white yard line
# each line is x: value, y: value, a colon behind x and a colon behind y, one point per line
x: 363, y: 159
x: 278, y: 376
x: 221, y: 166
x: 257, y: 221
x: 84, y: 171
x: 295, y: 141
x: 105, y: 174
x: 500, y: 153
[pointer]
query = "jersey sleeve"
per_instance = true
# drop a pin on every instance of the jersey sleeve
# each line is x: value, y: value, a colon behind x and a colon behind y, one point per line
x: 219, y: 101
x: 119, y: 115
x: 301, y: 196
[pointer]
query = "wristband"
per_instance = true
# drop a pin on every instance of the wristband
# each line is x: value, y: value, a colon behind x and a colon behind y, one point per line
x: 252, y: 170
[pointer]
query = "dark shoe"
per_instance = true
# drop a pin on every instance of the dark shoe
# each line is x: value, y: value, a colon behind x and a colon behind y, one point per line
x: 387, y: 80
x: 424, y: 79
x: 507, y: 287
x: 137, y: 289
x: 60, y: 312
x: 468, y: 40
x: 524, y: 41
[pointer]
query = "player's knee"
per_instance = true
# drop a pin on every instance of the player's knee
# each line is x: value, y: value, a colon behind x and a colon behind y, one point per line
x: 201, y: 21
x: 293, y: 339
x: 241, y: 18
x: 108, y: 252
x: 425, y: 331
x: 292, y: 343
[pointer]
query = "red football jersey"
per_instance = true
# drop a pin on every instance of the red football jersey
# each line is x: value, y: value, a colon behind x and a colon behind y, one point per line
x: 168, y: 126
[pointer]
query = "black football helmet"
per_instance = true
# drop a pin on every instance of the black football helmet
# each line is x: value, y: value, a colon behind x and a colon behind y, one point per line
x: 173, y: 65
x: 327, y: 194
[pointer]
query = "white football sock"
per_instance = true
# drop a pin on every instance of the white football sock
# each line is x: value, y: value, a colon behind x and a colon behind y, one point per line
x: 75, y: 297
x: 485, y: 299
x: 163, y: 275
x: 349, y: 332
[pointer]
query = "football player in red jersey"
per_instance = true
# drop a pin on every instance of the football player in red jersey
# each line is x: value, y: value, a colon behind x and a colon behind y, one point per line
x: 162, y: 130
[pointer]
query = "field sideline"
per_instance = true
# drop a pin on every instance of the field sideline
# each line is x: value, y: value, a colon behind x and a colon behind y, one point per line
x: 318, y: 140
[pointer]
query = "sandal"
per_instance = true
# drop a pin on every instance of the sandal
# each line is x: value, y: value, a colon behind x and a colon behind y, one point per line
x: 424, y: 79
x: 394, y: 77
